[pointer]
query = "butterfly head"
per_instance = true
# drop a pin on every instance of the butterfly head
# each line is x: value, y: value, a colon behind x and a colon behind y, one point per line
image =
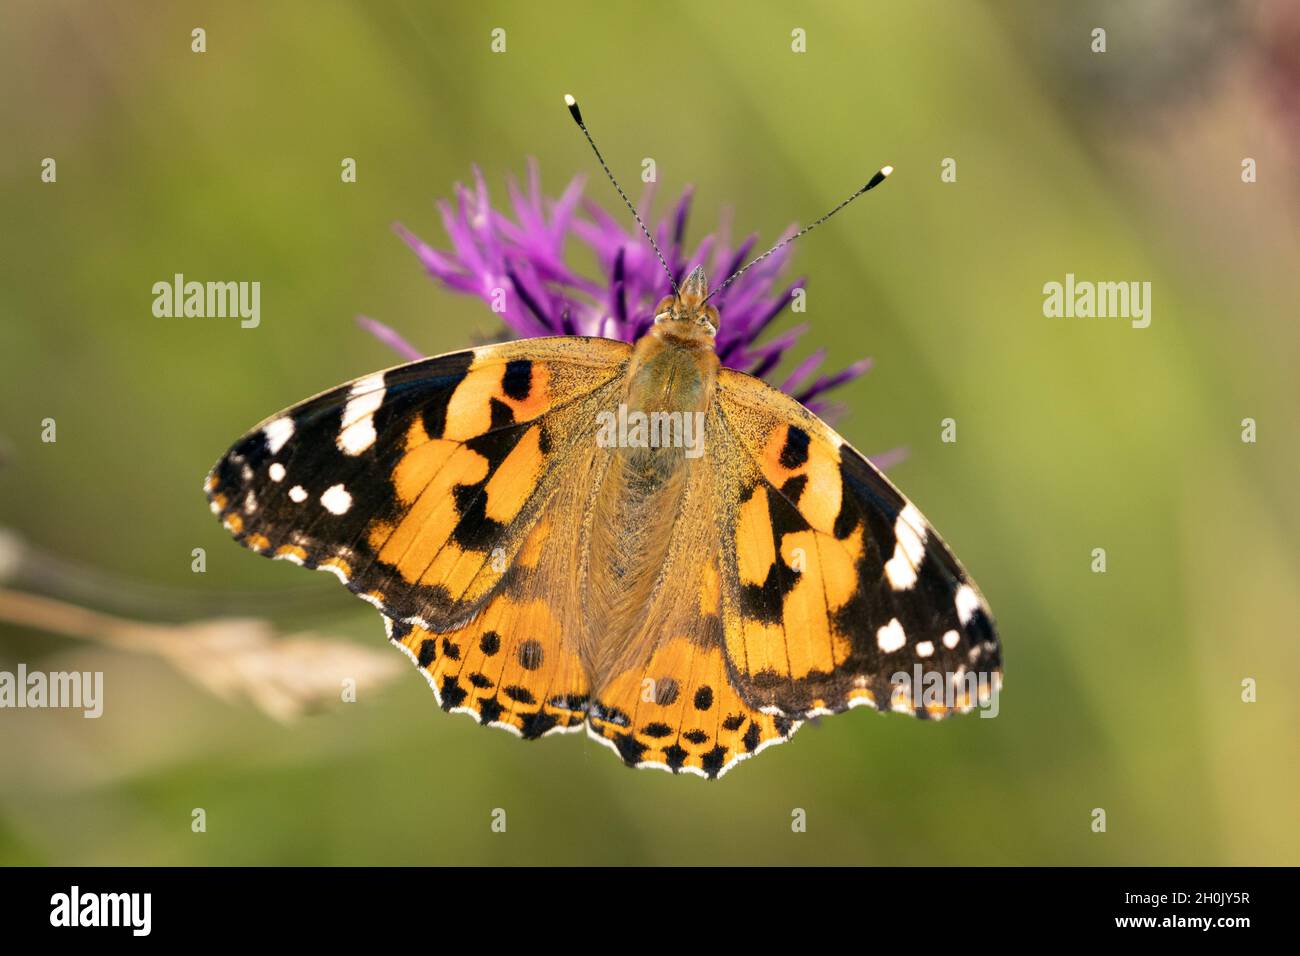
x: 686, y: 315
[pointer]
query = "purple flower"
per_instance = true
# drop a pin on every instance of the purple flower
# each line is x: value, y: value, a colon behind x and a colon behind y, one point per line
x: 518, y: 267
x: 516, y: 263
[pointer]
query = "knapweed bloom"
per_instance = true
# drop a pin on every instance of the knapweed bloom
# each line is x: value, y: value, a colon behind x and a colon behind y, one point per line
x: 516, y: 262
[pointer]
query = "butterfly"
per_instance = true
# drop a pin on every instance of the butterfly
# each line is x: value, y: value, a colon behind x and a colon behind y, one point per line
x: 574, y: 533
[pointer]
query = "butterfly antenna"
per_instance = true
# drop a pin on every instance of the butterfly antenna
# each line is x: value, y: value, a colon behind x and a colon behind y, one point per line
x: 572, y: 104
x: 875, y: 181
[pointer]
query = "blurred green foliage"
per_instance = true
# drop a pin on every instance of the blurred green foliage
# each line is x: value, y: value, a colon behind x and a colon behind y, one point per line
x: 1123, y: 690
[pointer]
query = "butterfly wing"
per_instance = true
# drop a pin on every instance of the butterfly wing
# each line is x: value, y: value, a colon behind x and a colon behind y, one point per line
x: 798, y: 583
x: 516, y: 664
x: 418, y: 486
x: 832, y: 582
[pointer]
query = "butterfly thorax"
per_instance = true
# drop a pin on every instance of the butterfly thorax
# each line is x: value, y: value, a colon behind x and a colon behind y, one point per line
x: 672, y: 372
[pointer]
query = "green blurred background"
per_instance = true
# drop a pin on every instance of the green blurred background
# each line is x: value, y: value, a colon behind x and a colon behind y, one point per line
x: 1123, y: 690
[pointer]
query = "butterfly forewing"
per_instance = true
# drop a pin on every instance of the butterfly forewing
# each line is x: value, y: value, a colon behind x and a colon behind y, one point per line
x: 834, y: 583
x: 417, y: 486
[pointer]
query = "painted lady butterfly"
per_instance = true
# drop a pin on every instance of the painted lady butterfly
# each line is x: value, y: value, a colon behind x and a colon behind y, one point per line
x: 686, y: 610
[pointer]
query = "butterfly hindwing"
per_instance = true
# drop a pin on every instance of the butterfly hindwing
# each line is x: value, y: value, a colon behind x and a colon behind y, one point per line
x: 417, y: 486
x: 514, y: 665
x: 678, y: 708
x: 833, y: 582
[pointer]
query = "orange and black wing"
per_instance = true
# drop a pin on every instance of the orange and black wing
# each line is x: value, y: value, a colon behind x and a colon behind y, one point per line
x: 835, y: 590
x: 799, y: 583
x: 515, y: 664
x: 418, y: 486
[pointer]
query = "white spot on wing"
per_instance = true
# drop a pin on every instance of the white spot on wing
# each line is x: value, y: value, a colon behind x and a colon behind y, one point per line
x: 298, y: 494
x: 277, y: 433
x: 357, y: 432
x: 924, y: 649
x: 951, y: 639
x: 276, y: 471
x: 336, y: 499
x: 891, y: 637
x: 909, y: 548
x: 968, y: 602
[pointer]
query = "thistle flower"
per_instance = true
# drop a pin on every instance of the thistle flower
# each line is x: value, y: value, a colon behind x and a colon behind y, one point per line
x: 518, y: 266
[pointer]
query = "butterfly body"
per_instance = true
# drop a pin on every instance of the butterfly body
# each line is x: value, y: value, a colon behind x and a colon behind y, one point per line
x: 571, y: 533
